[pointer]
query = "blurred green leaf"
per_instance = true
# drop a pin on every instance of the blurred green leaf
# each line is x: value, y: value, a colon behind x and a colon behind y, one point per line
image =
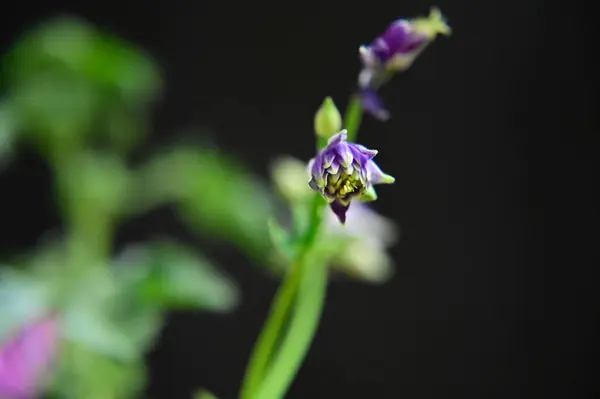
x: 23, y: 298
x: 118, y: 312
x: 57, y: 111
x: 69, y: 81
x: 331, y: 247
x: 301, y: 216
x: 92, y: 326
x: 7, y: 133
x: 281, y: 239
x: 94, y: 181
x: 215, y: 195
x: 71, y: 44
x: 325, y: 251
x: 103, y: 316
x: 124, y: 126
x: 168, y: 276
x: 204, y: 394
x: 83, y: 373
x: 98, y: 308
x: 113, y: 62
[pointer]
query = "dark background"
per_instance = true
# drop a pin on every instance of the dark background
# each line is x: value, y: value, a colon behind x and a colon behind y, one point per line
x: 490, y: 144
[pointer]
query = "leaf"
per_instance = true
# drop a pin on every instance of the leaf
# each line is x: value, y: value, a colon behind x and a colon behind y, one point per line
x: 97, y: 308
x: 124, y: 126
x: 118, y: 312
x: 22, y: 300
x: 167, y: 275
x: 7, y: 133
x: 83, y: 373
x: 328, y: 248
x: 99, y: 318
x: 204, y: 394
x: 301, y: 215
x: 97, y: 182
x: 91, y: 327
x: 67, y: 80
x: 115, y: 63
x: 281, y: 239
x: 215, y: 195
x: 70, y: 44
x: 57, y: 111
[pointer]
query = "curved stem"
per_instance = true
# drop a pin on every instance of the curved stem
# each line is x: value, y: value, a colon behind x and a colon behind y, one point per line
x: 302, y: 329
x: 353, y: 117
x: 280, y: 310
x: 270, y: 333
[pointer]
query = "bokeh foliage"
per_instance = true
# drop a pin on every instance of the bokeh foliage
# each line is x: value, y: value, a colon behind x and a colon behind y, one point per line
x: 83, y: 98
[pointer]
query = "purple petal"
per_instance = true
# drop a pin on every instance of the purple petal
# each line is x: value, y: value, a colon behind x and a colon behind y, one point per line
x: 368, y: 57
x: 380, y: 49
x: 327, y: 158
x: 334, y: 168
x: 344, y: 154
x: 362, y: 154
x: 316, y: 168
x: 24, y: 360
x: 400, y: 37
x: 372, y: 104
x: 340, y: 210
x: 366, y: 77
x: 337, y: 138
x: 376, y: 176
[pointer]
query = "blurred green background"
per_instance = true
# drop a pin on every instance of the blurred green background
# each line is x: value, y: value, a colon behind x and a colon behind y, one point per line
x: 82, y: 99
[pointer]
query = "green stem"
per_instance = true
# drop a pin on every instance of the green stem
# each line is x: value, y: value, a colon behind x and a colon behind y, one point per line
x: 89, y: 228
x: 353, y: 117
x: 280, y: 310
x: 302, y: 329
x: 270, y: 333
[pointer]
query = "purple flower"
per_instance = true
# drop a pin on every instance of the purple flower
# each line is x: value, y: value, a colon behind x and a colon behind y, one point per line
x: 26, y: 357
x: 402, y: 41
x: 343, y: 171
x: 395, y: 50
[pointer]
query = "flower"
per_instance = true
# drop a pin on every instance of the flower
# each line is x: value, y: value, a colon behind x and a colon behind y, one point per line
x: 360, y: 245
x: 343, y: 171
x: 395, y: 50
x: 25, y: 359
x: 328, y: 120
x: 365, y: 257
x: 403, y: 40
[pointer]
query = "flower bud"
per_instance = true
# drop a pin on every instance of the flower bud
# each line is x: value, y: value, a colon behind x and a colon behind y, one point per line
x: 343, y: 171
x: 403, y: 40
x: 393, y: 51
x: 328, y: 120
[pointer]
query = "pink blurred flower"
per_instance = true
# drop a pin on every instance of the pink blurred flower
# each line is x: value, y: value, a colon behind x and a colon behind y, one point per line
x: 26, y: 357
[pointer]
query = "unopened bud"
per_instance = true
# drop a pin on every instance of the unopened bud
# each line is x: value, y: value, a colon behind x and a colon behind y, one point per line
x: 328, y: 120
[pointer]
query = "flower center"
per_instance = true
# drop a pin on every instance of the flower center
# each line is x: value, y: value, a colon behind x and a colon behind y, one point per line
x: 342, y: 185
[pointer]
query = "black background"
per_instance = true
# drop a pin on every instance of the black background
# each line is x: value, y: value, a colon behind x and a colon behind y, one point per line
x: 490, y: 144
